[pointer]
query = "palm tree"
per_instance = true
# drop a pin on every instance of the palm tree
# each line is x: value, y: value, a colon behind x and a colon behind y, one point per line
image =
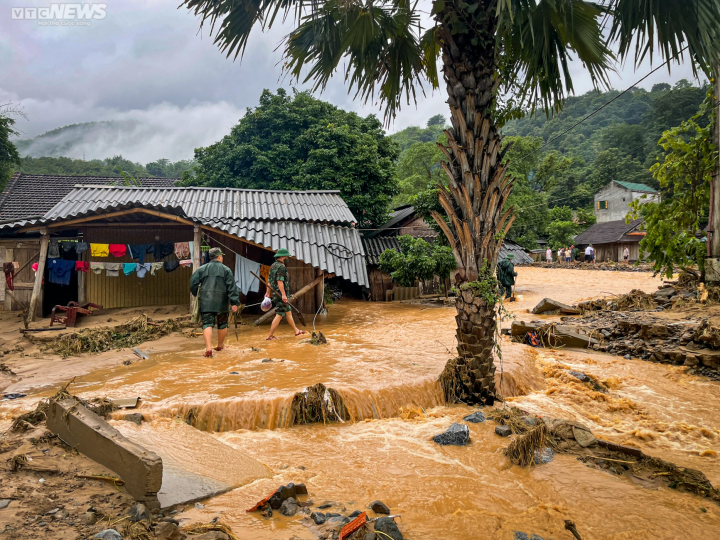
x: 500, y: 59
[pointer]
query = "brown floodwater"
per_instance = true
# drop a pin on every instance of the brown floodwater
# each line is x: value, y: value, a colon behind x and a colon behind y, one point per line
x: 384, y: 359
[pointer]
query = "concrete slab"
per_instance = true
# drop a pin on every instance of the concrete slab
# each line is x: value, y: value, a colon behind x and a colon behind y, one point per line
x: 195, y: 464
x: 140, y: 469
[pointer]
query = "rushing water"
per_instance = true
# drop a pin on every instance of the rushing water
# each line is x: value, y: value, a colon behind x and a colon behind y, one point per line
x: 384, y: 360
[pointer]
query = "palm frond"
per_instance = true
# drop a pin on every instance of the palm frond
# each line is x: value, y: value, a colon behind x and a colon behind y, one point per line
x: 642, y: 26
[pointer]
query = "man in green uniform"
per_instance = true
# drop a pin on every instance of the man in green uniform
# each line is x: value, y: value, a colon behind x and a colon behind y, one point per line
x: 506, y: 275
x: 279, y: 279
x: 217, y: 292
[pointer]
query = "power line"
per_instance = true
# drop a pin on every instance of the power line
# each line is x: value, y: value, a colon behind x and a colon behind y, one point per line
x: 576, y: 124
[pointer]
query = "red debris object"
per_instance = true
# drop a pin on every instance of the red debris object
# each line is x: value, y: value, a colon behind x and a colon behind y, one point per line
x: 262, y: 503
x: 70, y: 313
x: 353, y: 526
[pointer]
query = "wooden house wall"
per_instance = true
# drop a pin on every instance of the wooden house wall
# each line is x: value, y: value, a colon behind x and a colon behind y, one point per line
x: 379, y: 284
x: 162, y: 289
x: 416, y: 227
x: 19, y: 251
x: 613, y: 252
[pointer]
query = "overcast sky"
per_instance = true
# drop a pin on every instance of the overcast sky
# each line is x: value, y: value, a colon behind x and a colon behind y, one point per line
x: 146, y: 61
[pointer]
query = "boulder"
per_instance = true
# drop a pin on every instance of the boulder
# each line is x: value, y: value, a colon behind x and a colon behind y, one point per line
x: 135, y: 418
x: 108, y: 534
x: 579, y: 375
x: 355, y: 514
x: 139, y: 512
x: 285, y: 492
x: 379, y: 507
x: 547, y: 304
x: 475, y: 418
x: 387, y: 526
x: 289, y: 507
x: 318, y: 518
x: 456, y: 435
x: 503, y: 431
x: 543, y: 456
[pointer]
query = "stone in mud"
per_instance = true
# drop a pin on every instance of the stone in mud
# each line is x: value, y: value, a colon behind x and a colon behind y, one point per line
x: 379, y: 507
x: 266, y: 360
x: 285, y: 492
x: 169, y: 531
x: 530, y: 421
x: 139, y: 512
x: 289, y: 507
x: 318, y: 518
x: 325, y: 506
x: 519, y: 535
x: 579, y: 375
x: 546, y: 456
x: 4, y: 503
x: 89, y: 518
x: 387, y: 525
x: 503, y: 431
x: 355, y: 514
x: 456, y: 434
x: 474, y: 418
x: 108, y: 534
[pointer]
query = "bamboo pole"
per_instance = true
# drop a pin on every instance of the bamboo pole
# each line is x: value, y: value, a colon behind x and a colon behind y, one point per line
x: 267, y: 316
x: 37, y: 287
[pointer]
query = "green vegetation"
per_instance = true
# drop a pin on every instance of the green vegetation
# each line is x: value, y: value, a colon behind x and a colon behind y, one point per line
x: 102, y: 167
x: 417, y: 260
x: 9, y: 156
x: 300, y: 142
x: 675, y: 225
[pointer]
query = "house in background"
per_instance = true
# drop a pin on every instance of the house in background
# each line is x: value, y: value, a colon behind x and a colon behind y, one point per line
x: 404, y: 220
x: 611, y: 238
x: 612, y: 203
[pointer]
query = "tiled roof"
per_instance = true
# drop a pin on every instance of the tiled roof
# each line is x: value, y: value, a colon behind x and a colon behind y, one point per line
x: 32, y: 195
x: 374, y: 247
x: 606, y: 233
x: 636, y: 187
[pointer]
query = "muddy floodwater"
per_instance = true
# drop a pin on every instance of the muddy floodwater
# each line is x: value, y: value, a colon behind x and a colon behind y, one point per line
x: 384, y: 360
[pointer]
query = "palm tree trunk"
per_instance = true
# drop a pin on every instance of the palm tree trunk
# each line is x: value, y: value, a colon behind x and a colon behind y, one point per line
x: 473, y: 202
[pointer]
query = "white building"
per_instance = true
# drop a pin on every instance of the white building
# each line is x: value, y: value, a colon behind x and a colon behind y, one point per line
x: 612, y: 203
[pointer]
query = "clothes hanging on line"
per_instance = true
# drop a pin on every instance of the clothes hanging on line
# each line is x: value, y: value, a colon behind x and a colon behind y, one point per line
x: 81, y: 247
x: 99, y: 250
x: 171, y: 265
x: 245, y: 281
x: 187, y: 263
x: 138, y: 251
x: 113, y: 269
x: 129, y: 268
x: 60, y: 271
x: 82, y: 266
x: 143, y: 269
x: 68, y: 246
x: 154, y: 267
x: 162, y: 250
x: 53, y: 249
x: 9, y: 269
x: 118, y: 250
x: 182, y: 250
x: 97, y: 267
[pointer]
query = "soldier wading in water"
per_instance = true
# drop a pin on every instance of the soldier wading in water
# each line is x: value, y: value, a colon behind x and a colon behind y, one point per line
x: 280, y: 281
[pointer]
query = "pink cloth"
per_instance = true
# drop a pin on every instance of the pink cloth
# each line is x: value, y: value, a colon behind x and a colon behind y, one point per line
x: 82, y: 266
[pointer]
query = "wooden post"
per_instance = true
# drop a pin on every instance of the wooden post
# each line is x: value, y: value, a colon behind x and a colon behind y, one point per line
x: 319, y: 291
x: 37, y: 286
x: 9, y: 256
x: 295, y: 296
x: 197, y: 238
x: 82, y: 288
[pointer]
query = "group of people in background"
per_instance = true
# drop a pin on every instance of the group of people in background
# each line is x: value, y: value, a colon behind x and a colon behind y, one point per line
x: 570, y: 254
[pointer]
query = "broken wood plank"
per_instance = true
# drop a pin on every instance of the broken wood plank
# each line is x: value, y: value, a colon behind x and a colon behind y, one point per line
x: 267, y: 316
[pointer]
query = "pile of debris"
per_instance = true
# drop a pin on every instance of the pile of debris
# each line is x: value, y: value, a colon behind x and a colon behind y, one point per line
x: 580, y: 265
x: 318, y: 404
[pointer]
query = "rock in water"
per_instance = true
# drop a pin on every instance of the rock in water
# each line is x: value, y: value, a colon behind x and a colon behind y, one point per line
x: 379, y: 507
x: 579, y: 375
x: 503, y: 431
x: 457, y: 434
x: 370, y: 536
x: 544, y: 456
x: 139, y: 512
x: 289, y: 507
x: 318, y: 518
x: 108, y: 534
x: 355, y: 514
x: 519, y: 535
x: 475, y: 418
x: 387, y: 525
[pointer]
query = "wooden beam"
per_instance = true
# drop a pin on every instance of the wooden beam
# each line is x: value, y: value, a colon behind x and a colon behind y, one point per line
x: 37, y: 288
x: 197, y: 238
x: 223, y: 233
x: 119, y: 213
x: 306, y: 288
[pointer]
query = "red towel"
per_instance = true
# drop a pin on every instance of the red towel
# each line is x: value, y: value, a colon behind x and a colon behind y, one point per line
x: 82, y: 266
x: 9, y: 269
x: 118, y: 250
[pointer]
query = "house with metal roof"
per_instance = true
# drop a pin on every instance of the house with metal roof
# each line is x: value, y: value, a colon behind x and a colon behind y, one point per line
x: 106, y: 226
x: 612, y: 203
x: 611, y: 238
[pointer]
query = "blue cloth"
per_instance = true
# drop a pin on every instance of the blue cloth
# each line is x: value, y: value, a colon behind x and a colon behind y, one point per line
x: 60, y: 271
x: 81, y: 247
x: 138, y: 251
x: 129, y: 268
x: 244, y: 280
x: 162, y: 250
x: 142, y: 269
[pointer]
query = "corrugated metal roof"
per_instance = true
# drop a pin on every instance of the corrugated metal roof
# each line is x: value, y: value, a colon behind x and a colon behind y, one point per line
x: 632, y: 186
x: 520, y: 253
x: 608, y: 232
x: 212, y: 203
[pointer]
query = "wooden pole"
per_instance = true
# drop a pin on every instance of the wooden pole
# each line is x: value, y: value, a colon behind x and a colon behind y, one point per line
x: 82, y: 292
x: 197, y: 238
x: 9, y: 256
x: 37, y: 287
x: 319, y: 291
x: 267, y: 316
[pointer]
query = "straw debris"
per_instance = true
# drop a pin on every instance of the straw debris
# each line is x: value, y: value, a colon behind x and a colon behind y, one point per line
x: 202, y: 528
x: 521, y: 450
x: 317, y: 404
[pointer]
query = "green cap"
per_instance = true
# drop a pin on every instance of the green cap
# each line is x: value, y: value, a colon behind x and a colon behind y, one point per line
x: 282, y: 252
x: 215, y: 253
x: 509, y: 256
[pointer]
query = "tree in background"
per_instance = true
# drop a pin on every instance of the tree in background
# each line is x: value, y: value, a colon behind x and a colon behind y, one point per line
x: 497, y: 56
x: 102, y: 167
x: 417, y: 260
x: 9, y: 156
x: 299, y: 142
x: 413, y: 134
x: 418, y: 170
x: 674, y: 225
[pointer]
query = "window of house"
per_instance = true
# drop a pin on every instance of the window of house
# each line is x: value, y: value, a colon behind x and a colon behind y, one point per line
x: 602, y: 205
